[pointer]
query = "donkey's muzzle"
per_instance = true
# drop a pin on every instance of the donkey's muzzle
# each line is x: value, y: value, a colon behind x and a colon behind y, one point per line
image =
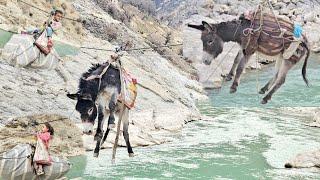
x: 207, y: 58
x: 87, y: 128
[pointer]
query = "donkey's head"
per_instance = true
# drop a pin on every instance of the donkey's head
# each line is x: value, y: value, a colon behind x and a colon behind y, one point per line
x: 87, y: 108
x: 212, y: 42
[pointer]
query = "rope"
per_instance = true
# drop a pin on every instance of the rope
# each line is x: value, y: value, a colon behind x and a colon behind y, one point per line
x: 134, y: 49
x: 272, y: 10
x: 36, y: 123
x: 22, y: 157
x: 34, y: 6
x: 213, y: 72
x: 70, y: 19
x: 258, y: 75
x: 147, y: 48
x: 22, y: 52
x: 115, y: 145
x: 8, y: 31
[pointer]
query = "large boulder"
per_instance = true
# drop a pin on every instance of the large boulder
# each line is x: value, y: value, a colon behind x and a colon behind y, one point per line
x: 305, y: 160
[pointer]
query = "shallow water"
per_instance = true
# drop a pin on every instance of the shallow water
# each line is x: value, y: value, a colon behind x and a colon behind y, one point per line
x: 4, y: 37
x: 245, y: 140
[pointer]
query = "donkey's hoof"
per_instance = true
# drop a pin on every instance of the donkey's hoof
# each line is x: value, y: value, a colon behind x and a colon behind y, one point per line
x: 233, y: 90
x: 96, y: 155
x: 288, y: 165
x: 131, y: 154
x: 228, y: 78
x: 264, y: 101
x: 262, y: 91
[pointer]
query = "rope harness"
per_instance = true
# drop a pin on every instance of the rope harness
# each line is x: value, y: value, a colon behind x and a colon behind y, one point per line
x: 284, y: 34
x: 123, y: 107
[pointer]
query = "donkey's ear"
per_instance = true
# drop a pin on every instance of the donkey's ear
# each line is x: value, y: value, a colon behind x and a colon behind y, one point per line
x: 199, y: 27
x: 73, y: 96
x: 209, y: 27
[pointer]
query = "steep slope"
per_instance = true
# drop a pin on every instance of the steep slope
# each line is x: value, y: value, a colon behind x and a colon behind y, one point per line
x: 166, y: 95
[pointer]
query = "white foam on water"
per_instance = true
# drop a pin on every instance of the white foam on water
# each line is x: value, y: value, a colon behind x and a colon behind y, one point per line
x: 134, y: 178
x: 185, y: 165
x: 231, y: 128
x: 168, y: 174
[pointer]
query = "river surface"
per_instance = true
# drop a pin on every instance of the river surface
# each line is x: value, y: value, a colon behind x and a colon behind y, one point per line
x: 241, y: 140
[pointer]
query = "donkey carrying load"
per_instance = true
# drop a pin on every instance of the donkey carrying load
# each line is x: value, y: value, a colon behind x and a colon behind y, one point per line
x: 98, y: 94
x: 263, y: 33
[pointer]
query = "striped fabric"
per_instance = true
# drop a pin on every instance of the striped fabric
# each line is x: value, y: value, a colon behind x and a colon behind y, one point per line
x: 21, y: 52
x: 16, y: 164
x: 270, y: 39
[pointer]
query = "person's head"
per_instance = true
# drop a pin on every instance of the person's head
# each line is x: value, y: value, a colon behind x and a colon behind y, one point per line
x: 58, y: 15
x: 48, y: 128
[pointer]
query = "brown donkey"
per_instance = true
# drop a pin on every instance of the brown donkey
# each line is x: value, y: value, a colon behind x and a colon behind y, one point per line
x: 264, y: 34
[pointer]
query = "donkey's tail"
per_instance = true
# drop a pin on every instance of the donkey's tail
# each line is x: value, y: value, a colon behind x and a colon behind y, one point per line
x: 304, y: 68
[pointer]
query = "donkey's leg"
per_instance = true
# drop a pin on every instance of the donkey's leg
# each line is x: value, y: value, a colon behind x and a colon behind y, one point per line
x: 99, y: 134
x: 240, y: 68
x: 112, y: 108
x: 105, y: 135
x: 271, y: 82
x: 268, y: 85
x: 125, y: 121
x: 234, y: 66
x: 111, y: 119
x: 285, y: 67
x: 107, y: 131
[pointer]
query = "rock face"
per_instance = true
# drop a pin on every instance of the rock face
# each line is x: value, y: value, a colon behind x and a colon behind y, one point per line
x: 66, y: 140
x: 166, y: 94
x: 316, y: 120
x: 305, y: 160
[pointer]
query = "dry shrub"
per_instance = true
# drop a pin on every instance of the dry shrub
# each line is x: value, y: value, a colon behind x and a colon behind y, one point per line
x: 146, y: 6
x: 113, y: 10
x: 112, y: 32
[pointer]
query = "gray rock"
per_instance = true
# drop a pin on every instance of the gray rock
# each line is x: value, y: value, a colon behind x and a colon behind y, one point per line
x: 305, y: 160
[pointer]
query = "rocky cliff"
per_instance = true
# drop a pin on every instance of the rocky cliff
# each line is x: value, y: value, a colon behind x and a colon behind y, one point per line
x: 167, y: 94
